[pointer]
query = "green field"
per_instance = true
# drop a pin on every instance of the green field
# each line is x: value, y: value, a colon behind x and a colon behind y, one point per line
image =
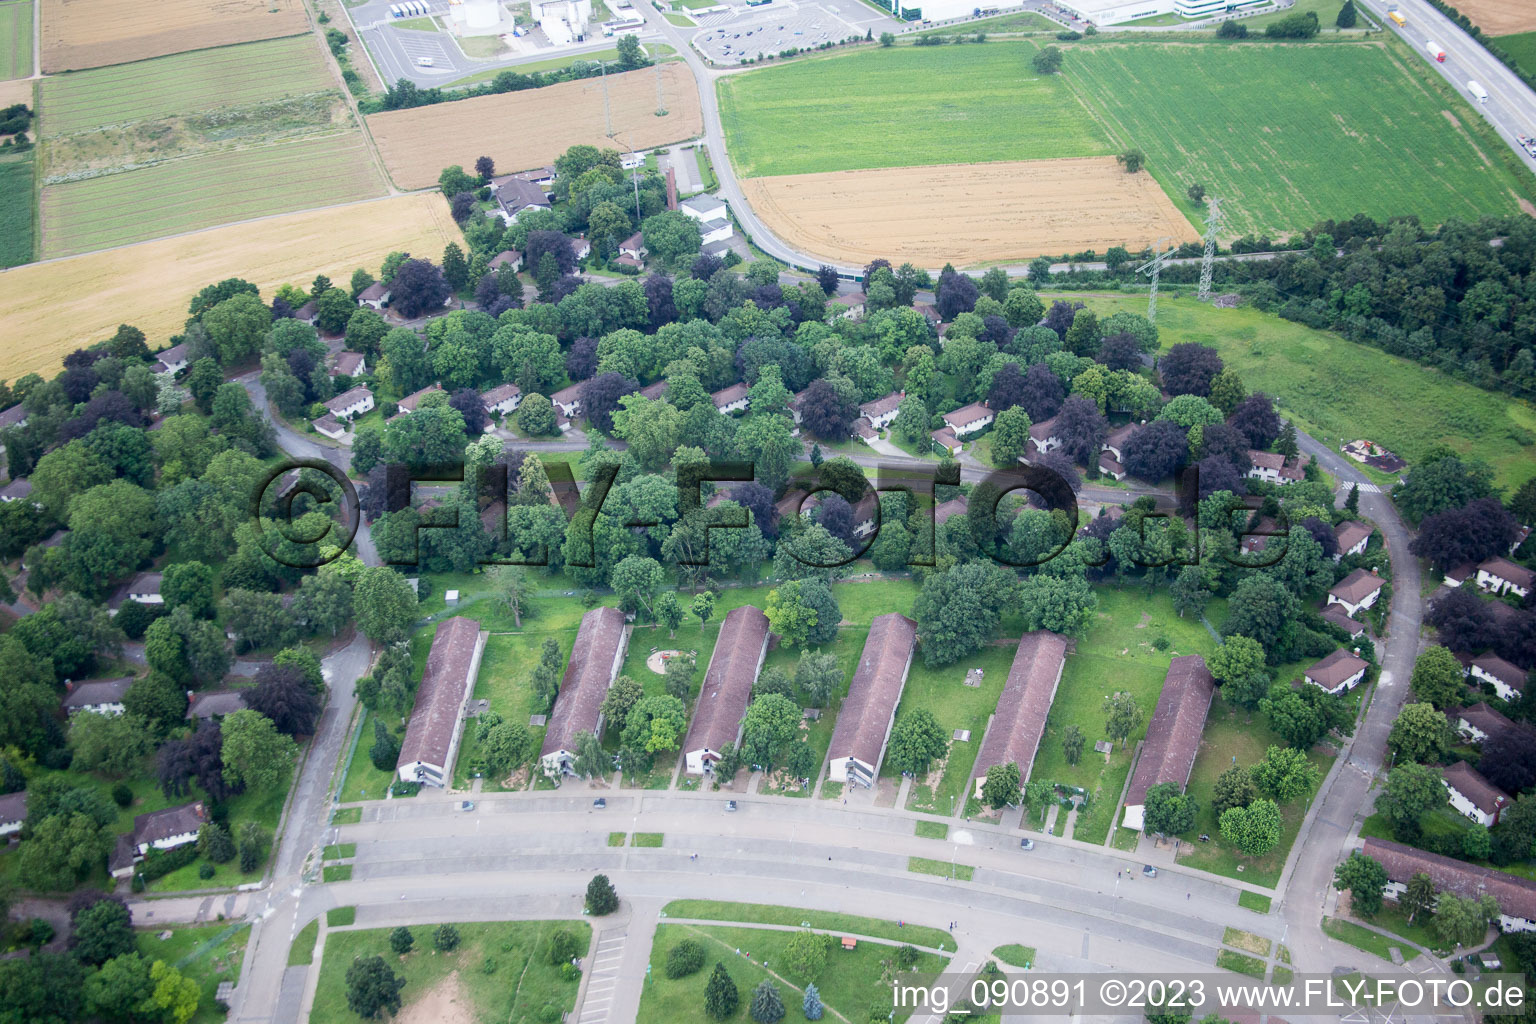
x: 16, y: 39
x: 1339, y: 390
x: 206, y: 953
x: 200, y: 192
x: 16, y: 210
x: 502, y: 970
x: 1522, y: 47
x: 1334, y: 148
x: 945, y: 104
x: 226, y: 76
x: 1018, y: 21
x: 762, y: 913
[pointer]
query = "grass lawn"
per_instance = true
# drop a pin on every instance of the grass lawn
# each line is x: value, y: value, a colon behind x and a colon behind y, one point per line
x: 762, y: 913
x: 347, y: 816
x: 1240, y: 963
x: 1281, y: 975
x: 1117, y: 653
x: 942, y: 868
x: 16, y: 39
x: 502, y: 970
x: 1229, y: 733
x: 932, y: 830
x: 302, y: 952
x: 336, y: 873
x: 959, y: 104
x: 1019, y: 21
x: 16, y: 206
x: 651, y: 839
x: 206, y: 953
x: 849, y: 984
x: 262, y: 808
x: 1393, y: 918
x: 1363, y: 938
x: 617, y: 838
x: 364, y: 781
x: 1338, y: 390
x: 1015, y: 954
x: 942, y: 691
x: 553, y: 64
x: 680, y: 20
x: 1522, y: 47
x: 1256, y: 902
x: 340, y: 917
x: 339, y: 851
x: 1239, y: 939
x: 1332, y: 147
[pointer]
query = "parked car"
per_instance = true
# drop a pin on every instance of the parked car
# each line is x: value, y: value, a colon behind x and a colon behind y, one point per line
x: 1026, y: 844
x: 466, y: 805
x: 1149, y: 870
x: 600, y: 802
x: 730, y: 805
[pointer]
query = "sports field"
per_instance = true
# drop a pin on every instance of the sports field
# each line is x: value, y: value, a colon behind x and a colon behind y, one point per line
x: 532, y: 127
x: 15, y: 39
x: 231, y: 76
x: 1499, y: 17
x: 990, y: 212
x: 903, y: 107
x: 80, y: 34
x: 186, y: 195
x: 15, y: 210
x: 53, y: 308
x: 1358, y: 131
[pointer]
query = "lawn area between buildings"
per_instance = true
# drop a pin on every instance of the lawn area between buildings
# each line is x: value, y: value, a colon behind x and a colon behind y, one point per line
x: 1118, y: 652
x: 207, y: 953
x: 852, y: 981
x: 1365, y: 939
x: 499, y: 972
x: 1256, y: 902
x: 762, y: 913
x: 1340, y: 390
x: 1241, y: 963
x: 1015, y: 955
x: 943, y: 693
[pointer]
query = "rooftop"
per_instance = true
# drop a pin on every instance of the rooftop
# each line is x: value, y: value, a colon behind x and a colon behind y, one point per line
x: 1516, y: 895
x: 865, y: 717
x: 1356, y: 587
x: 1335, y: 668
x: 967, y: 414
x: 1349, y: 533
x: 13, y: 806
x: 445, y: 684
x: 881, y: 406
x: 1469, y: 782
x: 1505, y: 672
x: 215, y: 703
x: 97, y: 691
x: 1173, y: 734
x: 588, y: 675
x: 173, y: 821
x: 411, y: 401
x: 1014, y: 735
x: 1504, y: 569
x: 347, y: 399
x: 727, y: 688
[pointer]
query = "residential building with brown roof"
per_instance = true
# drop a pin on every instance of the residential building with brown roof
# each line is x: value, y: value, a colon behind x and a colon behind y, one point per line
x: 1338, y: 672
x: 1013, y: 737
x: 1173, y: 734
x: 864, y: 723
x: 375, y: 296
x: 1516, y: 895
x: 503, y: 398
x: 1472, y: 795
x: 882, y: 411
x: 1507, y: 680
x: 13, y: 812
x: 946, y: 440
x: 1110, y: 468
x: 349, y: 364
x: 167, y: 829
x: 567, y: 401
x: 1352, y: 536
x: 1479, y: 722
x: 731, y: 399
x: 1337, y: 616
x: 16, y: 489
x: 733, y: 668
x: 350, y: 403
x: 102, y: 696
x: 595, y: 659
x: 432, y: 735
x: 1114, y: 444
x: 1499, y: 575
x: 411, y: 402
x: 1358, y: 590
x: 214, y: 703
x: 1042, y: 437
x: 969, y: 418
x: 947, y: 510
x: 145, y: 588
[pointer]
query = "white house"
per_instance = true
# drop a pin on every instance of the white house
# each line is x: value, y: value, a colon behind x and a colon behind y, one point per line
x: 13, y: 812
x: 145, y: 588
x: 1274, y: 468
x: 411, y: 402
x: 581, y: 247
x: 969, y: 419
x: 1479, y: 722
x: 1114, y: 444
x: 375, y: 296
x: 1109, y: 467
x: 1042, y: 437
x: 703, y: 208
x: 882, y: 411
x: 1516, y: 895
x: 15, y: 490
x: 351, y: 403
x: 502, y: 399
x: 15, y: 416
x: 1508, y: 680
x: 330, y: 426
x: 1473, y: 796
x: 432, y: 736
x: 596, y: 655
x: 945, y: 439
x: 716, y: 230
x: 349, y: 364
x: 567, y: 401
x: 630, y: 161
x: 1501, y: 576
x: 848, y: 306
x: 1352, y: 537
x: 516, y: 197
x: 309, y: 313
x: 509, y: 258
x: 732, y: 399
x: 102, y: 696
x: 1338, y: 672
x: 1358, y: 590
x: 633, y: 247
x: 172, y: 360
x: 167, y: 829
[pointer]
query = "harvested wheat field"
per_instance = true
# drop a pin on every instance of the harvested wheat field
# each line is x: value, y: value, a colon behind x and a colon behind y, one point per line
x: 530, y: 128
x: 93, y: 33
x: 1499, y: 17
x: 18, y: 91
x: 50, y: 309
x: 967, y: 214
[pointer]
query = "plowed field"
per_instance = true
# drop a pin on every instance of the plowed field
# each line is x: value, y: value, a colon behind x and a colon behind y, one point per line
x: 92, y: 33
x: 50, y: 309
x: 1499, y: 17
x: 967, y: 213
x: 531, y: 128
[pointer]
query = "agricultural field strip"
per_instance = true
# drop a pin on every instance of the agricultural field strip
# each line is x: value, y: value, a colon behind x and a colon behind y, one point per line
x: 77, y: 35
x: 16, y: 39
x: 184, y: 195
x: 185, y: 83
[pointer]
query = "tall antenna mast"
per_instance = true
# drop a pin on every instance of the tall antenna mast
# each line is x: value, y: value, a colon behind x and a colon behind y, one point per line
x: 1208, y: 261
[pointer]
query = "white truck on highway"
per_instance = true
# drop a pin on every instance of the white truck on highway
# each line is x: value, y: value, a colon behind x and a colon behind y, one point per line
x: 1434, y: 50
x: 1477, y: 91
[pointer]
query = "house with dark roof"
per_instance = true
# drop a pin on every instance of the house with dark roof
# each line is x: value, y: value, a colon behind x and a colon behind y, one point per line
x: 507, y: 258
x: 595, y: 659
x: 1173, y: 734
x: 732, y: 399
x: 15, y: 416
x: 16, y: 490
x: 145, y: 588
x: 655, y: 391
x: 1013, y: 735
x: 869, y: 710
x: 167, y: 829
x: 1479, y: 722
x: 1498, y: 575
x: 410, y: 403
x: 1459, y: 575
x: 733, y: 668
x: 882, y: 411
x: 1042, y: 438
x: 1352, y: 536
x: 567, y: 401
x: 172, y: 360
x: 1256, y: 537
x: 1507, y: 680
x: 503, y: 398
x: 1515, y: 894
x: 13, y: 812
x: 1338, y: 672
x: 515, y: 197
x: 1336, y: 615
x: 1114, y: 444
x: 1472, y: 795
x: 102, y: 696
x: 1274, y: 468
x: 330, y: 426
x: 947, y: 510
x: 351, y: 403
x: 432, y: 736
x: 633, y: 247
x: 847, y: 306
x: 214, y: 703
x: 308, y: 313
x: 946, y: 441
x: 349, y: 364
x: 968, y: 419
x: 375, y: 296
x: 1110, y: 468
x: 1358, y: 590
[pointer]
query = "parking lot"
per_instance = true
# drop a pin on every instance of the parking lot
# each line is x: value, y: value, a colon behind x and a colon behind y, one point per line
x: 751, y: 32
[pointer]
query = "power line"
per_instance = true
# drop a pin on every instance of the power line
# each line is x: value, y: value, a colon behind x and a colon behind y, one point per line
x: 1154, y: 267
x: 1208, y: 261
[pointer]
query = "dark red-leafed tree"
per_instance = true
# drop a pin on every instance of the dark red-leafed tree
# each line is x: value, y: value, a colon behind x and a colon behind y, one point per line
x: 1155, y: 450
x: 418, y: 288
x: 1472, y: 533
x: 1081, y: 428
x: 1120, y: 352
x: 1042, y: 393
x: 283, y: 694
x: 826, y: 413
x: 1007, y: 389
x: 1188, y: 369
x: 581, y: 360
x: 1059, y: 317
x: 600, y: 396
x: 467, y: 401
x: 1255, y: 418
x: 557, y: 243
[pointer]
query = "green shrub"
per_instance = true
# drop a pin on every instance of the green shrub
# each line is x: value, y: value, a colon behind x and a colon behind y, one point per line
x: 685, y: 958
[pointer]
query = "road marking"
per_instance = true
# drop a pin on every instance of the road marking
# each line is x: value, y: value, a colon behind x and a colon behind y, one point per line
x: 602, y: 979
